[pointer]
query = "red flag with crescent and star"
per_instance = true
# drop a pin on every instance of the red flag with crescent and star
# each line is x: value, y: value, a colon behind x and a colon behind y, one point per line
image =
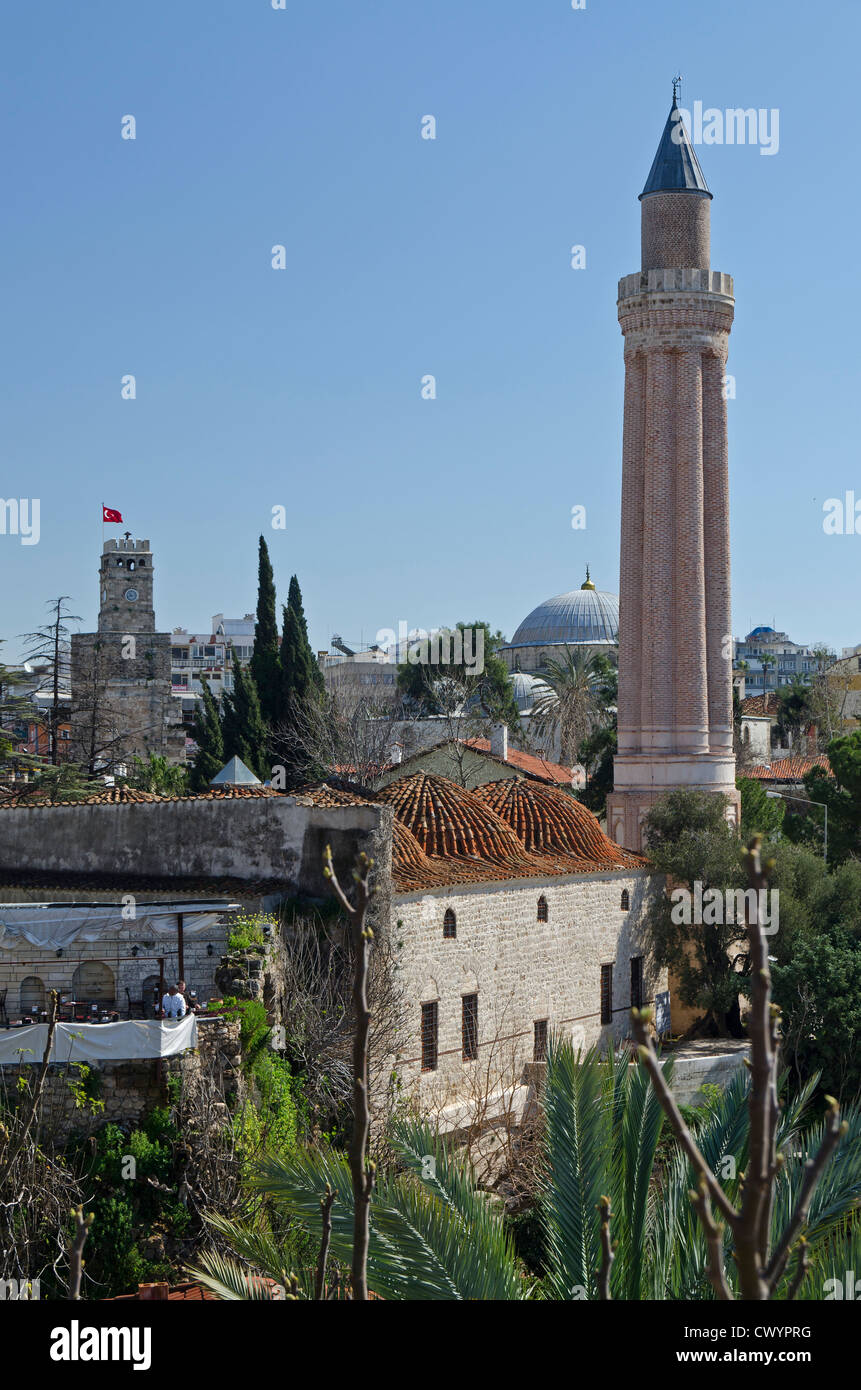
x: 111, y: 514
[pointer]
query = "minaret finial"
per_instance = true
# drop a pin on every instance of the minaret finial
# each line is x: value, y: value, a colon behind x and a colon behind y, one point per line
x: 677, y: 82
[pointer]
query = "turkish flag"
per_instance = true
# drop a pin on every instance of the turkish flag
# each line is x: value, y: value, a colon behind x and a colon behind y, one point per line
x: 108, y: 514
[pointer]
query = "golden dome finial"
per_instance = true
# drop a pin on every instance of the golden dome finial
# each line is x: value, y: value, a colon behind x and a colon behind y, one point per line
x: 588, y: 583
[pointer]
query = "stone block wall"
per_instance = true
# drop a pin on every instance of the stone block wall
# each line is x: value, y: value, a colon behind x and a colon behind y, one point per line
x: 128, y: 1089
x: 522, y: 970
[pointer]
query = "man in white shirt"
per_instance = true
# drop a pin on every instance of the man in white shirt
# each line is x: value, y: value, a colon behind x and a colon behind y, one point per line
x: 173, y: 1004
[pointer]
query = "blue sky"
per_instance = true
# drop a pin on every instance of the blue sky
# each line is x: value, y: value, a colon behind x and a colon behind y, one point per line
x: 258, y: 388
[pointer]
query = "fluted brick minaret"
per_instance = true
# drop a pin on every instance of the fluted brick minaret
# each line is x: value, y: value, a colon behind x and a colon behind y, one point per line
x: 675, y: 646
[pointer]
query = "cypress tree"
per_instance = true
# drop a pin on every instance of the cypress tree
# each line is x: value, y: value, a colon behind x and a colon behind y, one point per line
x: 245, y: 733
x: 301, y: 683
x: 294, y: 604
x: 264, y: 664
x: 208, y: 736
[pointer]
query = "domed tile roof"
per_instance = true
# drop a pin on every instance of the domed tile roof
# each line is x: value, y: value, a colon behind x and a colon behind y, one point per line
x: 447, y: 820
x: 550, y: 822
x: 410, y: 864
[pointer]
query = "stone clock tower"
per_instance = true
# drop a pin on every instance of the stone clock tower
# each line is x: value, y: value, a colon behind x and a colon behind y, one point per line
x: 121, y: 692
x: 675, y: 645
x: 126, y: 597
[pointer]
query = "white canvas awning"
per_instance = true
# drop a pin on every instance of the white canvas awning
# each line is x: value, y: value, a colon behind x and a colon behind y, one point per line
x: 52, y: 926
x: 99, y: 1042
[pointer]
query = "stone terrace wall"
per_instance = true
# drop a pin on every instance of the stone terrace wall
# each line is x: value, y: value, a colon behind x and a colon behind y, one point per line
x: 128, y: 1089
x: 257, y: 839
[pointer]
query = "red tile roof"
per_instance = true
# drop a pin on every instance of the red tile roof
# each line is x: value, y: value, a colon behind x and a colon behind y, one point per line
x: 548, y: 821
x: 510, y: 829
x: 526, y: 763
x: 760, y: 705
x: 183, y: 1293
x: 789, y: 769
x: 114, y: 796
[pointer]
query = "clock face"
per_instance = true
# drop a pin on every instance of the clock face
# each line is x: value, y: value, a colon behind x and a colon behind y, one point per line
x: 131, y: 595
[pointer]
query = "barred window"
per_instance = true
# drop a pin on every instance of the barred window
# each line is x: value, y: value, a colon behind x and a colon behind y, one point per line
x: 449, y: 925
x: 542, y: 909
x: 430, y: 1036
x: 606, y: 994
x: 469, y: 1027
x: 626, y: 900
x: 636, y: 982
x: 539, y: 1040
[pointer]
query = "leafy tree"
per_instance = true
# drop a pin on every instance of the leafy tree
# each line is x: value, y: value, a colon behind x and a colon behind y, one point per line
x: 243, y: 729
x: 842, y: 796
x: 209, y: 737
x: 690, y: 842
x: 156, y: 774
x: 431, y: 687
x: 760, y: 813
x: 295, y: 605
x: 264, y: 664
x: 596, y: 753
x: 817, y: 989
x: 301, y: 689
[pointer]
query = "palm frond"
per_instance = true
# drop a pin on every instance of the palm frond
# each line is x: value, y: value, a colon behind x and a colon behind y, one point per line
x: 230, y: 1281
x: 576, y: 1146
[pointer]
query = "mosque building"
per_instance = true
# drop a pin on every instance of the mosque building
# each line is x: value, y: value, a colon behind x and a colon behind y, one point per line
x: 586, y: 619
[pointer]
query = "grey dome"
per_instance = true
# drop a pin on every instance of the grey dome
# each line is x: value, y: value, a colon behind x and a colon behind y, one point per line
x: 528, y: 690
x: 583, y: 617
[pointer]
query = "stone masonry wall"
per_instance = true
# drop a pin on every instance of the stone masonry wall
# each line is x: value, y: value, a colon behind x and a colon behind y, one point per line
x: 522, y: 970
x: 127, y: 1089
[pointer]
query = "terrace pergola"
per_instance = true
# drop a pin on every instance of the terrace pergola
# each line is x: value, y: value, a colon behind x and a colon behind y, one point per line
x: 59, y: 926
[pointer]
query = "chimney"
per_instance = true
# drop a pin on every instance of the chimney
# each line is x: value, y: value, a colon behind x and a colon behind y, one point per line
x: 153, y: 1291
x: 499, y: 741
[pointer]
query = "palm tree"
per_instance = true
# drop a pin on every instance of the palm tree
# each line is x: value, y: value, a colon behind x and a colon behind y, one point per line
x: 793, y: 706
x: 435, y: 1236
x: 574, y: 703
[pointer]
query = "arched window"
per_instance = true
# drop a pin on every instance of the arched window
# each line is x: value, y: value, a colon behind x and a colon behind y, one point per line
x: 93, y: 983
x: 131, y: 564
x: 449, y: 925
x: 542, y: 909
x: 32, y: 994
x: 626, y: 900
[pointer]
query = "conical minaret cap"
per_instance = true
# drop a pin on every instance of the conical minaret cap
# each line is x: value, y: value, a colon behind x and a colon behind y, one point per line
x: 675, y: 167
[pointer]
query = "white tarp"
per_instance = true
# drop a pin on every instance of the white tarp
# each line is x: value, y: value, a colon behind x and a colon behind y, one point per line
x: 54, y: 926
x: 100, y: 1042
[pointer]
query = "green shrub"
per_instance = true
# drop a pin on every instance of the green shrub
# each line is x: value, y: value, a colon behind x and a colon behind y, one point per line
x: 247, y: 931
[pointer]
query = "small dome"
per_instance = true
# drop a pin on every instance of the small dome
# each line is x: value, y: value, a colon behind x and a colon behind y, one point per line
x: 528, y: 690
x: 446, y: 819
x: 549, y: 821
